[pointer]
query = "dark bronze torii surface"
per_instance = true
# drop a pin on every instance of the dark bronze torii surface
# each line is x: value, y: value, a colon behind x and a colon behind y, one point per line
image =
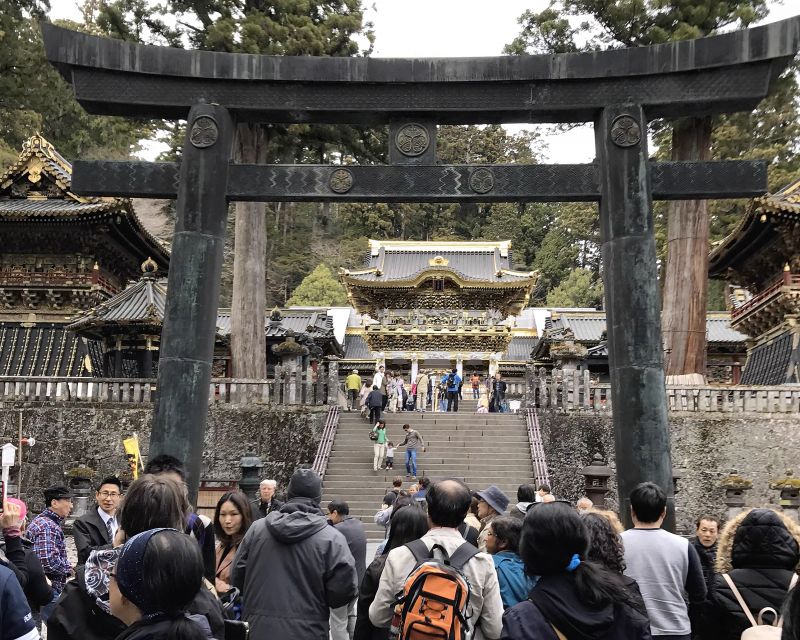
x: 618, y: 90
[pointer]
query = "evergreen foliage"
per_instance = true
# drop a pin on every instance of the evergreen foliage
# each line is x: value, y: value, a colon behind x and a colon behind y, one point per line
x: 319, y: 289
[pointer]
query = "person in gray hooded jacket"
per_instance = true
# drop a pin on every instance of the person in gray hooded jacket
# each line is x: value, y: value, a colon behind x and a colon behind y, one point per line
x: 292, y: 568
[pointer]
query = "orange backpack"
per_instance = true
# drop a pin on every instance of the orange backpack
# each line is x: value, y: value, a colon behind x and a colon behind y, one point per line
x: 435, y: 596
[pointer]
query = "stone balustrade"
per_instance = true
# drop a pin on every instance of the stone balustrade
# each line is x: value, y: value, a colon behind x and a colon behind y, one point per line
x: 287, y: 386
x: 572, y: 390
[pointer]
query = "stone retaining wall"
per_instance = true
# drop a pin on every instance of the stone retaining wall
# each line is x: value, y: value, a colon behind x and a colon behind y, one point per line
x: 68, y: 436
x: 704, y: 446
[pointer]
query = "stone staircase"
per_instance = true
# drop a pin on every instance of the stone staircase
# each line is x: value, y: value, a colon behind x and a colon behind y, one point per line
x: 481, y: 449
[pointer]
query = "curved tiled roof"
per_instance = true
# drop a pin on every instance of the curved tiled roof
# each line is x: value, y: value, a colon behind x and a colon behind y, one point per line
x: 38, y: 157
x: 142, y: 303
x: 755, y: 230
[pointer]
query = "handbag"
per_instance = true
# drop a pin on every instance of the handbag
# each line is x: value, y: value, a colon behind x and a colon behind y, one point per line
x: 758, y: 629
x: 373, y: 435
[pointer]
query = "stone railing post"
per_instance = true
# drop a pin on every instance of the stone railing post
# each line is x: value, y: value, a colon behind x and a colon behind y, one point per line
x: 789, y: 486
x: 529, y: 397
x: 333, y: 380
x: 735, y: 487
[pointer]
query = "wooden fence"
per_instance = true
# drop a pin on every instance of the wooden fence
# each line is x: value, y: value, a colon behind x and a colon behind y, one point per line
x: 571, y: 390
x: 285, y: 388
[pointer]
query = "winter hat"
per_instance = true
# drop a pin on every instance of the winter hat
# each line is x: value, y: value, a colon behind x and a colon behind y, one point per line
x: 495, y: 498
x: 305, y: 483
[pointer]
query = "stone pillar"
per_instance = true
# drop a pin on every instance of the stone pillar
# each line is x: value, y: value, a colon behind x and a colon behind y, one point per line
x: 789, y: 488
x: 414, y: 368
x: 190, y: 317
x: 735, y: 487
x: 118, y: 356
x: 460, y: 365
x: 333, y: 380
x: 531, y: 384
x: 147, y: 358
x: 292, y: 368
x: 633, y: 306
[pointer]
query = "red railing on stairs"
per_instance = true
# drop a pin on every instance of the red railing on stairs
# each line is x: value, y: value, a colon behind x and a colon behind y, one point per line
x: 537, y: 447
x: 326, y: 442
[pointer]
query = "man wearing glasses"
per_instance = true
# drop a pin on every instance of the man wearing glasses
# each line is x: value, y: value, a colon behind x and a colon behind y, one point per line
x: 97, y: 528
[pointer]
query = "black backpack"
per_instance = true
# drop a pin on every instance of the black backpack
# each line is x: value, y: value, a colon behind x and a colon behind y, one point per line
x: 451, y: 379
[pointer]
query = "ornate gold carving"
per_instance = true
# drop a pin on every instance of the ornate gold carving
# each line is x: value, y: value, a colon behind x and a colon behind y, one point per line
x: 438, y: 261
x: 35, y: 167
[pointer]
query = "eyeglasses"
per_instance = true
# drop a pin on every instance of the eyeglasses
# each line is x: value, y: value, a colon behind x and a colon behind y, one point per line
x: 109, y: 494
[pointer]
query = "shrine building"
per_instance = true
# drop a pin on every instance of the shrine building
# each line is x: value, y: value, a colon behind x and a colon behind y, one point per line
x: 60, y: 255
x: 760, y: 260
x: 438, y: 305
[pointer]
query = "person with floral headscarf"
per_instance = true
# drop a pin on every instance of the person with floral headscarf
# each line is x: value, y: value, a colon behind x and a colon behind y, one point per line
x: 83, y: 612
x: 157, y: 577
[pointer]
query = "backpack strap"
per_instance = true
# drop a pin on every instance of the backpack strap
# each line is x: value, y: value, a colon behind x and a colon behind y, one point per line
x: 792, y: 584
x: 463, y: 555
x: 420, y: 551
x: 740, y: 600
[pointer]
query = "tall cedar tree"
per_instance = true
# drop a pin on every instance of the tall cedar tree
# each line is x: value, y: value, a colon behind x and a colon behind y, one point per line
x: 625, y: 23
x: 274, y: 27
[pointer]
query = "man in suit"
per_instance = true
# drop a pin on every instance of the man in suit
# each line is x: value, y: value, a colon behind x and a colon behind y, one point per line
x: 98, y: 527
x: 266, y: 502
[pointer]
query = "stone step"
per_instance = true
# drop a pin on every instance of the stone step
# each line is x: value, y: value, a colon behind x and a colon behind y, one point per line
x: 448, y: 455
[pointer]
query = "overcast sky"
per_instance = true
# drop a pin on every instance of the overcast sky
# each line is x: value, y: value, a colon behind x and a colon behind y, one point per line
x: 431, y: 28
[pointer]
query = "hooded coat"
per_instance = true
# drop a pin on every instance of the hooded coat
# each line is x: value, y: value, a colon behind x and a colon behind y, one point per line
x: 292, y: 567
x: 759, y: 550
x: 555, y: 601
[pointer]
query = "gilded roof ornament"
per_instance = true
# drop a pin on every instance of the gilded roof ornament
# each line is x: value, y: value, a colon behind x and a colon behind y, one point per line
x: 438, y: 261
x: 149, y: 266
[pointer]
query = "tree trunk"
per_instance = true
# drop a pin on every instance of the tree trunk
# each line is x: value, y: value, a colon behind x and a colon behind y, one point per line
x: 248, y: 306
x: 683, y: 318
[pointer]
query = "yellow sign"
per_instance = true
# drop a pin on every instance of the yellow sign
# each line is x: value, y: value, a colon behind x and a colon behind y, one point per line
x: 134, y: 455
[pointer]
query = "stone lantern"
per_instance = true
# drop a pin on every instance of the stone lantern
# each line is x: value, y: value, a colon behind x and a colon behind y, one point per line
x: 251, y: 465
x: 789, y: 486
x: 597, y: 475
x: 677, y: 474
x: 735, y: 487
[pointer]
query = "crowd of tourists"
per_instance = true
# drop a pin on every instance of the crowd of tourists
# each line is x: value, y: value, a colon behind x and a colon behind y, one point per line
x: 455, y: 563
x: 388, y: 391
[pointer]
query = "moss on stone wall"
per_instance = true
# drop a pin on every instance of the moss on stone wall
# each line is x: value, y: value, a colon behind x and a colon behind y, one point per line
x: 704, y: 446
x: 91, y: 435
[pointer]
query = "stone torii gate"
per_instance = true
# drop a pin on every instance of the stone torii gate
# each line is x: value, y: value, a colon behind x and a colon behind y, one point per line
x: 620, y: 91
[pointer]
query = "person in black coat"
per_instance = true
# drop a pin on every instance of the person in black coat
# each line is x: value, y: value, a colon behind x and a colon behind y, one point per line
x: 266, y: 502
x: 96, y: 528
x: 759, y: 550
x: 83, y: 611
x: 406, y: 525
x: 606, y: 549
x: 574, y: 595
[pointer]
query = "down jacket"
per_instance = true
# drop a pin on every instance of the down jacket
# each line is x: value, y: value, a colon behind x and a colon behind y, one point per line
x: 759, y: 550
x: 292, y: 567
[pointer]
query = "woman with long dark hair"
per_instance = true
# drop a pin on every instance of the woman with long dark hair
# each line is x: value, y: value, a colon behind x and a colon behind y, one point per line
x: 407, y: 524
x: 232, y: 518
x: 157, y: 576
x: 574, y: 597
x: 607, y: 550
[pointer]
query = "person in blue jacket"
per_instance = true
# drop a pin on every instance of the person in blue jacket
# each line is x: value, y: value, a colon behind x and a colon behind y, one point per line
x: 503, y: 543
x: 16, y: 620
x: 453, y: 383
